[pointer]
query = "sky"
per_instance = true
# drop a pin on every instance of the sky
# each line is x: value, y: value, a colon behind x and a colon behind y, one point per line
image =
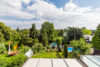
x: 62, y: 13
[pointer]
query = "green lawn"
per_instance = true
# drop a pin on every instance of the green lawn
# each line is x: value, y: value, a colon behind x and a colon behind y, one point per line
x: 45, y: 55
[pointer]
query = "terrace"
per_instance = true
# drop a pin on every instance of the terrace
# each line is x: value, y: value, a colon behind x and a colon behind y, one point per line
x: 39, y: 62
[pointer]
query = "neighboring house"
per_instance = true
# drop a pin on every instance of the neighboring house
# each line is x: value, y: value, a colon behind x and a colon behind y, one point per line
x: 65, y: 34
x: 88, y: 38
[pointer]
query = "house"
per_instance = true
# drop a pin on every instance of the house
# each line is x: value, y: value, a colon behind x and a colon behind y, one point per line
x: 88, y: 38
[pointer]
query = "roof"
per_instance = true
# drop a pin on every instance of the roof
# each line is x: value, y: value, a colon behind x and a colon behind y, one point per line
x: 91, y: 60
x: 53, y: 43
x: 36, y: 62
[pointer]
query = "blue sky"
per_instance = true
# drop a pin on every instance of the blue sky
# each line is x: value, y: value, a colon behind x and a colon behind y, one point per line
x: 63, y: 13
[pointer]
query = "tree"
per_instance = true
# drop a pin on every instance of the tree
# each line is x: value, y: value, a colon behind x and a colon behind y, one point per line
x: 15, y: 36
x: 25, y: 39
x: 44, y: 37
x: 6, y: 31
x: 65, y: 51
x: 49, y: 30
x: 61, y: 33
x: 59, y: 42
x: 18, y: 30
x: 33, y: 32
x: 1, y: 37
x: 86, y: 31
x: 96, y: 38
x: 80, y: 46
x: 74, y: 34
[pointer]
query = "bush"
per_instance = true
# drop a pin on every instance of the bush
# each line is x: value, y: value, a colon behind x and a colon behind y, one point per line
x: 2, y: 48
x: 3, y: 62
x: 13, y: 61
x: 81, y: 47
x: 18, y: 60
x: 65, y: 51
x: 37, y: 47
x: 24, y: 49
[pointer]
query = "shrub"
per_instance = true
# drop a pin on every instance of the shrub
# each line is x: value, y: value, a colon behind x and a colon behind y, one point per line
x: 18, y: 60
x: 37, y: 47
x: 65, y: 51
x: 3, y: 62
x: 2, y: 48
x: 81, y: 46
x: 13, y: 61
x: 24, y: 49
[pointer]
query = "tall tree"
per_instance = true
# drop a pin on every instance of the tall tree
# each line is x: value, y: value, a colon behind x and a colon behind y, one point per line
x: 18, y: 30
x: 49, y: 30
x: 96, y: 38
x: 6, y: 31
x: 33, y: 32
x: 44, y: 37
x: 61, y: 33
x: 74, y: 34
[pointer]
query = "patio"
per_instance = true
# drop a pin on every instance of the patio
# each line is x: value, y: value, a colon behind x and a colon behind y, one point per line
x: 39, y: 62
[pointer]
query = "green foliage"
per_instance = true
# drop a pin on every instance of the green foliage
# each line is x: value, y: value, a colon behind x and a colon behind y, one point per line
x: 33, y: 32
x: 96, y: 38
x: 13, y: 61
x: 25, y: 39
x: 2, y: 48
x: 47, y: 33
x: 1, y: 37
x: 86, y: 31
x: 80, y: 46
x: 15, y: 36
x: 18, y: 60
x: 44, y: 37
x: 61, y: 33
x: 74, y: 34
x: 65, y: 51
x: 24, y: 49
x: 18, y: 30
x: 59, y: 42
x: 5, y: 31
x: 38, y: 47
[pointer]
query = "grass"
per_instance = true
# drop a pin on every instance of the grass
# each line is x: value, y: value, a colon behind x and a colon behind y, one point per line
x: 45, y: 55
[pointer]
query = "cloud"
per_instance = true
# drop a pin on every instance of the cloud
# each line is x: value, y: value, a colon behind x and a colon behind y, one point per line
x: 68, y: 15
x: 13, y: 8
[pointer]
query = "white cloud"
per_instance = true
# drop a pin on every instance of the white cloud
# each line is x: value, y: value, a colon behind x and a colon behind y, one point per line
x: 69, y: 15
x: 26, y: 1
x: 13, y: 8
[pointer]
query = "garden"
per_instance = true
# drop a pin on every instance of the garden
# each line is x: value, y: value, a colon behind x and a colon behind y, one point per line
x: 47, y: 42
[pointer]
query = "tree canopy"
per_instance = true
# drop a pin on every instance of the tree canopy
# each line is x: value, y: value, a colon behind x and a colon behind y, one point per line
x: 96, y: 38
x: 47, y: 33
x: 86, y: 31
x: 74, y: 34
